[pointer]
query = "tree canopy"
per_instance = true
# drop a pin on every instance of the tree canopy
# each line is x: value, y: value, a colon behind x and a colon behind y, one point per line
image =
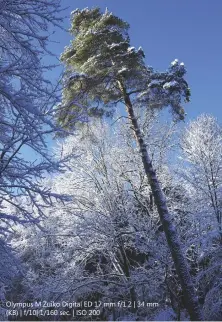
x: 100, y: 59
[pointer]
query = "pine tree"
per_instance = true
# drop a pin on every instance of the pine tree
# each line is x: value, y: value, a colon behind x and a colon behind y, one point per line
x: 103, y: 70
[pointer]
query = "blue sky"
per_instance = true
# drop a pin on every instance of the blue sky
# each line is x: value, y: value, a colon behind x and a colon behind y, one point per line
x: 168, y: 29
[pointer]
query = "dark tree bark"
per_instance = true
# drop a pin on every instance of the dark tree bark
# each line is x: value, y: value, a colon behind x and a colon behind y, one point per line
x: 182, y: 268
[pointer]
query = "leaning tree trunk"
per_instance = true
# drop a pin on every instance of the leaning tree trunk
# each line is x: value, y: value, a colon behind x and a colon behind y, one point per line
x: 174, y: 244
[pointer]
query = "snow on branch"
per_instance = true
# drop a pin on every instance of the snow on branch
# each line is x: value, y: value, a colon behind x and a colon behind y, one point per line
x: 27, y: 99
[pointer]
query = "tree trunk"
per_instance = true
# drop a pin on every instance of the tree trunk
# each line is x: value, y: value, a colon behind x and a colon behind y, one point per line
x: 174, y: 244
x: 126, y: 270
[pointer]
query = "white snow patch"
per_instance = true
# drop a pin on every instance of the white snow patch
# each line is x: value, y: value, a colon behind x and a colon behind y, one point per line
x: 175, y: 62
x: 170, y: 84
x: 131, y: 49
x: 113, y: 45
x: 124, y: 69
x: 154, y: 82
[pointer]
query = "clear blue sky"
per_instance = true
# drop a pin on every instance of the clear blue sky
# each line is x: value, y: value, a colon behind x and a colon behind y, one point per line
x: 167, y: 29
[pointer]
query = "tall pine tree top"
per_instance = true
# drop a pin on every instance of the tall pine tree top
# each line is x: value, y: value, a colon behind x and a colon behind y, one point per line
x: 102, y: 67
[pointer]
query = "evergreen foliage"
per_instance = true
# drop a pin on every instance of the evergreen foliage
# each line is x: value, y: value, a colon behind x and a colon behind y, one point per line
x: 100, y: 59
x: 102, y: 70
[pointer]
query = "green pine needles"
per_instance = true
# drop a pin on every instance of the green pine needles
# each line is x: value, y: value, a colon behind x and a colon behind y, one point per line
x: 100, y: 63
x: 103, y: 70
